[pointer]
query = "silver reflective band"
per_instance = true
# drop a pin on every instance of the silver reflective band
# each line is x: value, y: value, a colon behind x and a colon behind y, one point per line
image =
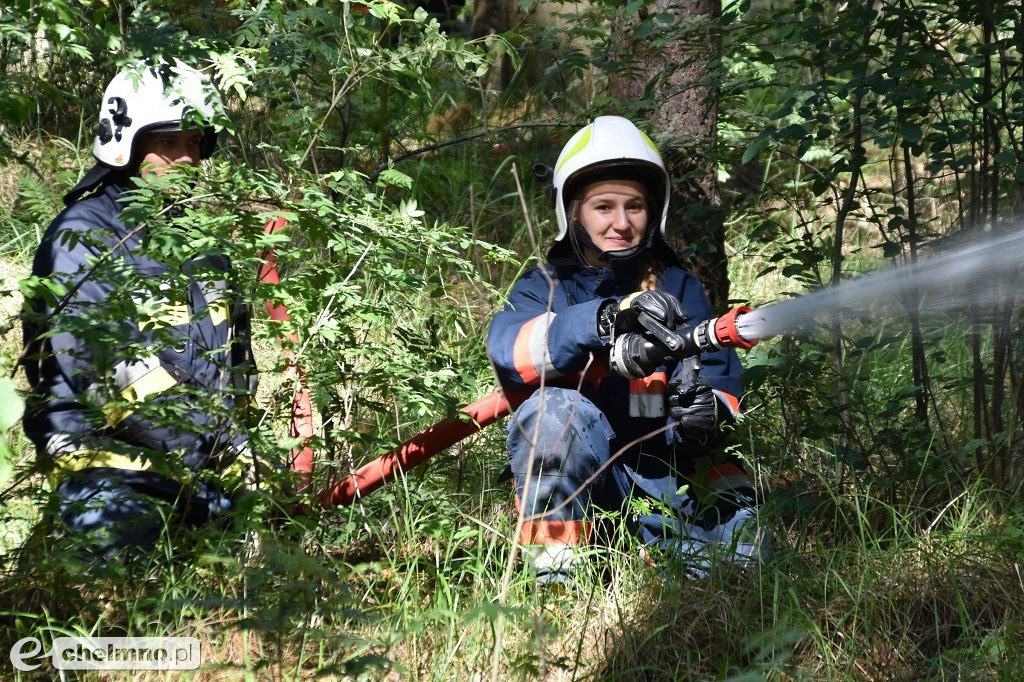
x: 540, y: 355
x: 217, y: 304
x: 213, y: 291
x: 59, y: 444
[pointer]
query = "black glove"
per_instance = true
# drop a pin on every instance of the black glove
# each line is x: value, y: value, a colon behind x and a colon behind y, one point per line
x: 623, y: 317
x: 693, y: 405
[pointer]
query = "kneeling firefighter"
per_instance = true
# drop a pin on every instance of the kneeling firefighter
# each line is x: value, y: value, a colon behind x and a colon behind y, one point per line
x: 137, y: 364
x: 608, y: 268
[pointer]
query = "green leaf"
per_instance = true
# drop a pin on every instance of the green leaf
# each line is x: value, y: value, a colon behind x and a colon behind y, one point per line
x: 14, y: 108
x: 753, y: 150
x: 911, y: 132
x: 391, y: 176
x: 794, y: 130
x: 12, y: 405
x: 891, y: 249
x: 1006, y: 157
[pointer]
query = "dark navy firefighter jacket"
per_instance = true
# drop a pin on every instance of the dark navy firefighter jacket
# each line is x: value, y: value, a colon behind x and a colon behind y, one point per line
x: 548, y: 334
x: 124, y: 331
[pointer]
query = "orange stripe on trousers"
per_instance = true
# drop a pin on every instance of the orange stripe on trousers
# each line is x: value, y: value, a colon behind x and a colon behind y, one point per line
x: 555, y: 532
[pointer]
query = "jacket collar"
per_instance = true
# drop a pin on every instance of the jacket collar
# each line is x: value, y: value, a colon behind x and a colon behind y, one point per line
x: 587, y: 282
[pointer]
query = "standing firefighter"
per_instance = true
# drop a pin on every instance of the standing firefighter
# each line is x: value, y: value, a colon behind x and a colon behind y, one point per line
x: 137, y: 362
x: 609, y: 264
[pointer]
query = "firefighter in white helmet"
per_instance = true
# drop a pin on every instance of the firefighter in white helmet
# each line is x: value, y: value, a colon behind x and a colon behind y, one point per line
x: 119, y: 408
x: 609, y: 262
x: 140, y: 103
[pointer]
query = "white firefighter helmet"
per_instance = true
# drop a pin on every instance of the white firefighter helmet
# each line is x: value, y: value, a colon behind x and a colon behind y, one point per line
x: 610, y: 147
x: 138, y: 100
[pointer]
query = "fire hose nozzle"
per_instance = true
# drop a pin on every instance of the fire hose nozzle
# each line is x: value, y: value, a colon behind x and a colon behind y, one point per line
x: 726, y: 333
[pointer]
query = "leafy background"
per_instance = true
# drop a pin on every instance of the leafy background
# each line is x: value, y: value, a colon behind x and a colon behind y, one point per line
x: 849, y: 137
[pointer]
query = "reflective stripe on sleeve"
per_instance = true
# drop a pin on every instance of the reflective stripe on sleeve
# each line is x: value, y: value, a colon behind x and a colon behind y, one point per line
x: 728, y: 477
x: 217, y: 303
x: 91, y: 459
x: 135, y: 381
x: 530, y: 353
x: 730, y: 401
x: 647, y: 396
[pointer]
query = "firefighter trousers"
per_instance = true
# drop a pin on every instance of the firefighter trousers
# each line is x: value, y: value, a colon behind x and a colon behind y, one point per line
x: 558, y: 440
x: 111, y: 510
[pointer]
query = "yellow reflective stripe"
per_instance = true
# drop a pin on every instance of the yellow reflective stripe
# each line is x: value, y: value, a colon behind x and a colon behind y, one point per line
x: 578, y: 147
x: 628, y: 300
x: 178, y: 315
x: 167, y: 315
x: 86, y: 459
x: 649, y: 142
x: 219, y: 311
x: 89, y: 459
x: 157, y: 380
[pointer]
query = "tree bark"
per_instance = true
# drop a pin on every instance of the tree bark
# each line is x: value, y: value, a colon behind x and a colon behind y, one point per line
x: 670, y: 83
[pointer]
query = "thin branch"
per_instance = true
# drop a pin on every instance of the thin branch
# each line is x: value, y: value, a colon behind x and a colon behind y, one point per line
x: 465, y: 138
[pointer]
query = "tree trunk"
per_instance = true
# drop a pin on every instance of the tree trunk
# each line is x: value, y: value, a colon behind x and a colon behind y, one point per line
x: 680, y: 97
x: 494, y: 17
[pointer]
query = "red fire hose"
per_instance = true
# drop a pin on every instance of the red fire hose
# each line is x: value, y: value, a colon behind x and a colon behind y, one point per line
x: 421, y: 447
x: 301, y: 425
x: 707, y: 335
x: 437, y: 438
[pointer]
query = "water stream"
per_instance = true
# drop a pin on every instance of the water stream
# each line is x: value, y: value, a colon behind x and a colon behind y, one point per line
x: 968, y: 275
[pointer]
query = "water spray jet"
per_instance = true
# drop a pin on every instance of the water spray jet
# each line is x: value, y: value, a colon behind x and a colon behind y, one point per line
x: 982, y: 272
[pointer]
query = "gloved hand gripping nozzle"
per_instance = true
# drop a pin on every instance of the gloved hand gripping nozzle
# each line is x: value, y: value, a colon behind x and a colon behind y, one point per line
x: 635, y: 355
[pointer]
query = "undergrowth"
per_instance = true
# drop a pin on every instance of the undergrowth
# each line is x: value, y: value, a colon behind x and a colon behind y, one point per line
x: 887, y: 563
x: 895, y: 557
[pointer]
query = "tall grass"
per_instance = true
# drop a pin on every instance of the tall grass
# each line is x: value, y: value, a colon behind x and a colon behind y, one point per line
x: 898, y: 568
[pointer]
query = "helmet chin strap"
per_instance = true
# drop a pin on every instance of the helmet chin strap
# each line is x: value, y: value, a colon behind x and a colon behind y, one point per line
x: 581, y: 237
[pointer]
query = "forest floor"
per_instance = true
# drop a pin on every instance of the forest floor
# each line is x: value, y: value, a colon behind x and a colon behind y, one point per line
x: 421, y: 582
